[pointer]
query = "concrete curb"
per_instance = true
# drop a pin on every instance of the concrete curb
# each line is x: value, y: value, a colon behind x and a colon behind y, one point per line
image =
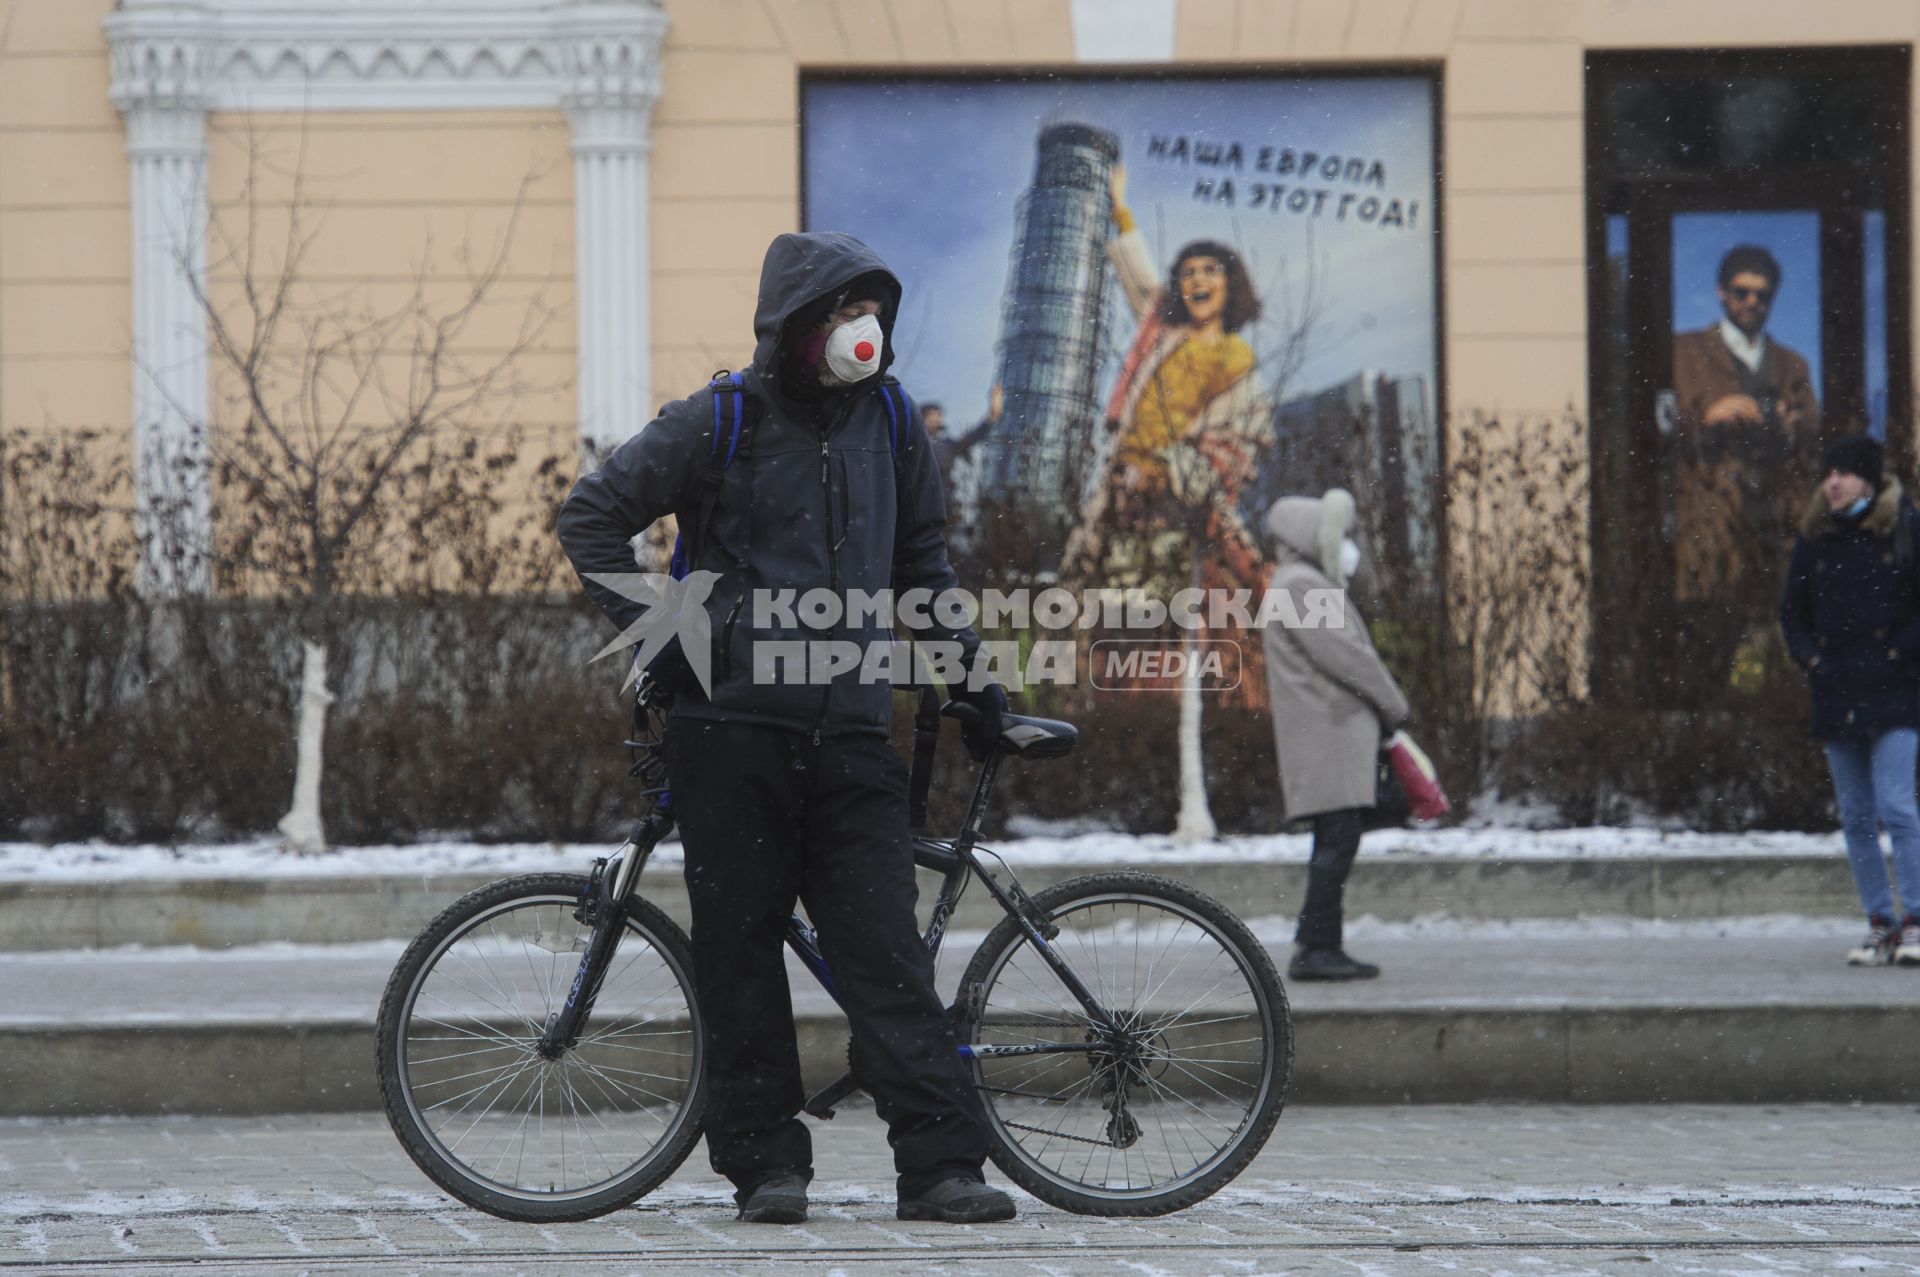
x: 1569, y: 1053
x: 219, y: 912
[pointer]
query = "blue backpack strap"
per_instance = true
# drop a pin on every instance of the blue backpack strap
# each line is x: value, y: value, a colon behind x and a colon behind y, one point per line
x: 899, y: 415
x: 729, y: 416
x: 900, y: 422
x: 730, y: 430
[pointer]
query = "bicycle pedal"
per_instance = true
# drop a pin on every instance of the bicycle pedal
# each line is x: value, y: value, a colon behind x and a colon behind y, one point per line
x: 822, y: 1104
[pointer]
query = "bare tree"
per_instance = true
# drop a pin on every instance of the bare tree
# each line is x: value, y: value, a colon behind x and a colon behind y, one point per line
x: 336, y: 415
x: 328, y: 398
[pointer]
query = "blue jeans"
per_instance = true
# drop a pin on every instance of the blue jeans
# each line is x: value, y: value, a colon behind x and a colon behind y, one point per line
x: 1873, y: 781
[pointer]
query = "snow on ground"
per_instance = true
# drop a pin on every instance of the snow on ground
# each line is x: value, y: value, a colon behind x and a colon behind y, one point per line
x: 62, y: 862
x: 1274, y: 929
x: 1441, y: 926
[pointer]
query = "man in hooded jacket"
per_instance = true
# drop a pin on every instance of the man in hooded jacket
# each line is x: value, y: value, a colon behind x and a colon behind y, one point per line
x: 786, y: 790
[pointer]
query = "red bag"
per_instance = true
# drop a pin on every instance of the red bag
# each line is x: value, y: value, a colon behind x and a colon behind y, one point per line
x: 1416, y: 774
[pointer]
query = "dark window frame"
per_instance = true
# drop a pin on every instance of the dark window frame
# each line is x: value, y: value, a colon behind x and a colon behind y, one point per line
x: 1622, y: 527
x: 1891, y: 65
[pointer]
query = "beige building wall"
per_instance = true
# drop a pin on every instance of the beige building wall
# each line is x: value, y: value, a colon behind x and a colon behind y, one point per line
x: 65, y: 233
x: 725, y: 174
x: 399, y: 201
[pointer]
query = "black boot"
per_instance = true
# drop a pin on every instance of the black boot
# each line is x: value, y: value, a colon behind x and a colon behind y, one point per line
x: 1328, y: 964
x: 959, y: 1200
x: 778, y: 1199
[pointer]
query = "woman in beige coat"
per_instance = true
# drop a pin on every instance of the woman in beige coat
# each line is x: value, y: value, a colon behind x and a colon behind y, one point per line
x: 1333, y: 701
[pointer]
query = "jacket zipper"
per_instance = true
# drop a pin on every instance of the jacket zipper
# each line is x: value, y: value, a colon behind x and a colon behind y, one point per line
x: 833, y: 548
x: 726, y: 637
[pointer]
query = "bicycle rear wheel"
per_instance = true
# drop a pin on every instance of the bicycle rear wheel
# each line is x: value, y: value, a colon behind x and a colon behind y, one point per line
x: 1173, y: 1098
x: 483, y: 1113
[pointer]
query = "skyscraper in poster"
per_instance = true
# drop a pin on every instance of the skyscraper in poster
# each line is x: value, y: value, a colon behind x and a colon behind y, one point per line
x: 1050, y: 347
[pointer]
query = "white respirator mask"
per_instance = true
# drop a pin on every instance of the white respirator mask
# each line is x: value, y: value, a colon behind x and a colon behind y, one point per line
x: 853, y: 351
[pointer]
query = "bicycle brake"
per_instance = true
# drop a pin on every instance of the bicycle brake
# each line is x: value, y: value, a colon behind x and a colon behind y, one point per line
x: 587, y: 912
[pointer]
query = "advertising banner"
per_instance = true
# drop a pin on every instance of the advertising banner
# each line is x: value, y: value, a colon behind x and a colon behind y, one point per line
x: 1140, y: 309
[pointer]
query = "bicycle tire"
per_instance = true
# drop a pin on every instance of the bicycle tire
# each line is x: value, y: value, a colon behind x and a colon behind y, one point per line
x: 484, y: 975
x: 1010, y: 997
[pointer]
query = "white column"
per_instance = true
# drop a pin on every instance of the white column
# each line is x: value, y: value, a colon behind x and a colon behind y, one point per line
x: 612, y: 61
x: 161, y: 60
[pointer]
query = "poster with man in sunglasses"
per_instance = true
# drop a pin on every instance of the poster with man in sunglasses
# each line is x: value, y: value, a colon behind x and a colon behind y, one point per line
x: 1742, y: 419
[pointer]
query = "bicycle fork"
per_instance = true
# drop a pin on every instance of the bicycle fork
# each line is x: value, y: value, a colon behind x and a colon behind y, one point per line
x: 602, y: 906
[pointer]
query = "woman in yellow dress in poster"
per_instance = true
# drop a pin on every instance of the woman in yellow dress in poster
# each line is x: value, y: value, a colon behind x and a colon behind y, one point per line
x: 1189, y: 417
x: 1189, y: 421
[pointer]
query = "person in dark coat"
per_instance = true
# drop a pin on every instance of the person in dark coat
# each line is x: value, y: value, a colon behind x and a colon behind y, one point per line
x: 1851, y: 614
x: 788, y: 790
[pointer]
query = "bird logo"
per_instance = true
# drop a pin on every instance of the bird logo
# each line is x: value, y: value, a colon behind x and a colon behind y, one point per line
x: 676, y: 609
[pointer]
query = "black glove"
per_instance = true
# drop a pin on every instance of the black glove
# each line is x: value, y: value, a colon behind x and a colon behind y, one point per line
x: 990, y: 702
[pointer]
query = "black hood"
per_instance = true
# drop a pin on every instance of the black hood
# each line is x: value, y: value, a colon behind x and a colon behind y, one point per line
x: 804, y: 268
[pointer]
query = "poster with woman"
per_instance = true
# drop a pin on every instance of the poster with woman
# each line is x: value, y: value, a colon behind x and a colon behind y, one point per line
x: 1185, y: 296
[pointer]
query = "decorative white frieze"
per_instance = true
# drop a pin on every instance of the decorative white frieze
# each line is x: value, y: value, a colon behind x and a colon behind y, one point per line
x: 174, y: 61
x: 369, y: 55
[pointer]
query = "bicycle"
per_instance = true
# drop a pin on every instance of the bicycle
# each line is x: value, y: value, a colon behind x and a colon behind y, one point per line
x: 539, y: 1046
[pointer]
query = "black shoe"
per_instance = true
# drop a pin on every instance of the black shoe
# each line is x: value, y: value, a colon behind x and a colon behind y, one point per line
x: 1328, y: 964
x: 957, y: 1201
x: 779, y: 1199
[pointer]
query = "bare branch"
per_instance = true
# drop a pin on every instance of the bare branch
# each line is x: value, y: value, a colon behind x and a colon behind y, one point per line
x: 344, y: 401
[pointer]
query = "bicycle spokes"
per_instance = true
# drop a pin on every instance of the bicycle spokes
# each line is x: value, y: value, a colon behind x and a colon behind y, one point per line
x: 1158, y: 1086
x: 514, y: 1095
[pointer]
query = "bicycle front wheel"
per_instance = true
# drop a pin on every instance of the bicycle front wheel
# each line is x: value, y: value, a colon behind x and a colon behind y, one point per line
x: 1172, y: 1095
x: 483, y: 1113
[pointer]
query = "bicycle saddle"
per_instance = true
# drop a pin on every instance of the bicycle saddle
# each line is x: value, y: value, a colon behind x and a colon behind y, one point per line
x: 1021, y: 735
x: 1027, y: 737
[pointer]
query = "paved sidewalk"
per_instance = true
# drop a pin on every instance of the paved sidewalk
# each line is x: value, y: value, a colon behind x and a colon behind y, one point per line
x: 1724, y: 1010
x: 1461, y: 1190
x: 1733, y: 962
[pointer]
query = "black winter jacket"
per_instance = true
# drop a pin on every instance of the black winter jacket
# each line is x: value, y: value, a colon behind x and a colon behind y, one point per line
x: 1850, y: 601
x: 810, y: 501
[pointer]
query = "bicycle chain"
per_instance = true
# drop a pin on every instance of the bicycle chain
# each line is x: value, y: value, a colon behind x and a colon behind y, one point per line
x: 1060, y: 1135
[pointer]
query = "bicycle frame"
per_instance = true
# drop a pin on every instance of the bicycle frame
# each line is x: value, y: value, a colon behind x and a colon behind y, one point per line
x: 616, y: 878
x: 1105, y: 1087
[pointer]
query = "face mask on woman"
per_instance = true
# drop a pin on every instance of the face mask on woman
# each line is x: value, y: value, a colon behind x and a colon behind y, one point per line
x: 1349, y: 557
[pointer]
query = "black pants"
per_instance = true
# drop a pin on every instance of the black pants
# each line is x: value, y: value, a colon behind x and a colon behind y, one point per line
x: 1336, y: 841
x: 766, y: 816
